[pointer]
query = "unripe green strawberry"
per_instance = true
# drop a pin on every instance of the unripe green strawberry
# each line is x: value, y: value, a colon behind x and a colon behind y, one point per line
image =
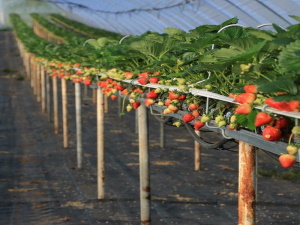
x: 205, y: 118
x: 129, y: 108
x: 158, y: 90
x: 222, y: 123
x: 160, y: 103
x: 292, y: 149
x: 233, y: 119
x: 296, y: 130
x: 177, y: 123
x: 219, y: 118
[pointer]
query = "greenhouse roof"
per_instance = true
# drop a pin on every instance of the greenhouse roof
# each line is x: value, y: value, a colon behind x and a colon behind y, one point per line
x: 136, y: 17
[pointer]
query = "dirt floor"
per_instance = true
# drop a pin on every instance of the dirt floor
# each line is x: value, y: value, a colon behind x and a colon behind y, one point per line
x: 40, y: 183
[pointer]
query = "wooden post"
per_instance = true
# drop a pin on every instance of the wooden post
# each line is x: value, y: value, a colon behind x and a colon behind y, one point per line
x: 144, y: 165
x: 94, y: 98
x: 65, y: 112
x: 38, y: 82
x: 246, y: 197
x: 106, y: 104
x: 78, y: 124
x: 100, y: 144
x: 34, y: 77
x: 55, y: 104
x: 197, y: 153
x: 162, y: 134
x: 48, y: 96
x: 43, y: 90
x: 31, y: 66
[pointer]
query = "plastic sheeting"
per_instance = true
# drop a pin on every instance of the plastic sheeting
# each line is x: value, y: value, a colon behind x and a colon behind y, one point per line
x: 136, y: 17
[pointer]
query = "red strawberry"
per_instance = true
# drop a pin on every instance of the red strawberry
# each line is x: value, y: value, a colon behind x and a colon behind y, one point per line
x: 149, y: 101
x: 152, y: 94
x: 243, y: 109
x: 136, y: 104
x: 181, y: 97
x: 188, y: 118
x: 284, y: 106
x: 153, y: 80
x: 195, y: 113
x: 113, y: 97
x: 250, y: 88
x: 198, y: 124
x: 281, y: 122
x: 193, y: 106
x: 271, y: 133
x: 245, y: 98
x: 287, y: 160
x: 129, y: 75
x: 119, y: 87
x: 262, y: 118
x: 295, y: 105
x: 167, y: 102
x: 173, y: 95
x: 143, y: 81
x: 87, y: 81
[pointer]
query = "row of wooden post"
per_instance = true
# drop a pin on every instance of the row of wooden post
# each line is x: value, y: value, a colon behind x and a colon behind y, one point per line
x: 40, y: 82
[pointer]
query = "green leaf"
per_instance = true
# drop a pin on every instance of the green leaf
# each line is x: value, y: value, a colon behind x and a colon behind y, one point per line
x: 289, y: 59
x: 278, y: 28
x: 279, y: 86
x: 287, y: 97
x: 260, y: 34
x: 233, y: 20
x: 295, y: 17
x: 247, y: 120
x: 174, y: 31
x: 282, y: 41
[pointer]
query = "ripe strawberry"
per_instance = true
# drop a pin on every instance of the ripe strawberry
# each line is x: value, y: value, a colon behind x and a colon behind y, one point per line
x: 262, y: 118
x: 284, y: 106
x: 143, y: 81
x: 243, y: 109
x: 167, y: 102
x: 149, y: 101
x: 136, y: 104
x: 193, y: 106
x: 281, y: 122
x: 287, y: 160
x: 195, y: 113
x: 119, y: 87
x: 245, y: 98
x: 182, y: 97
x: 295, y: 105
x: 271, y: 133
x: 87, y: 82
x: 113, y: 97
x: 250, y: 88
x: 152, y: 94
x: 153, y: 80
x: 129, y: 75
x: 198, y: 124
x: 292, y: 149
x: 188, y: 117
x: 173, y: 95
